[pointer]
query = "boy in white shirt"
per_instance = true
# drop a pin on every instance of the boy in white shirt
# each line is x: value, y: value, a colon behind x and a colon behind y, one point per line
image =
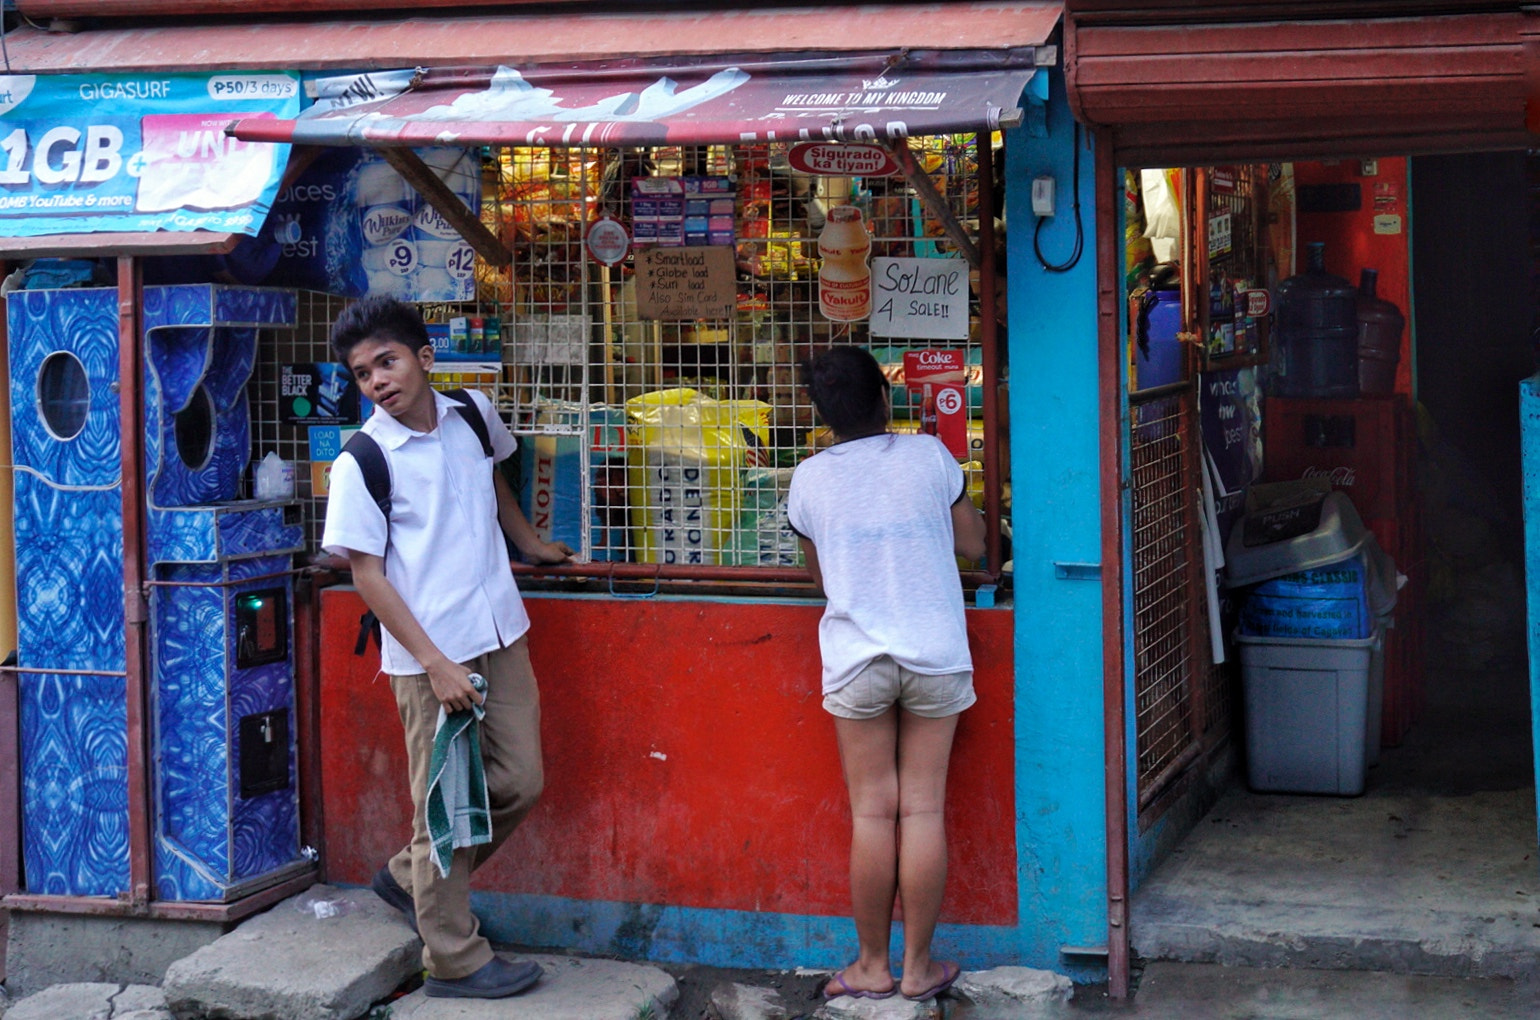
x: 437, y: 576
x: 881, y: 518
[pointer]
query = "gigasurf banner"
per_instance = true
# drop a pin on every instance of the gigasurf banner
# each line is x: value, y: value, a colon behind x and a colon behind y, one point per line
x: 138, y: 152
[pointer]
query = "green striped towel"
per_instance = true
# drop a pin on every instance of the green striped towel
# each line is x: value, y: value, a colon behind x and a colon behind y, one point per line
x: 458, y: 815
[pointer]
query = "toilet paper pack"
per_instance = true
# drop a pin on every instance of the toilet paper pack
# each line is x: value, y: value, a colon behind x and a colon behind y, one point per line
x: 350, y: 225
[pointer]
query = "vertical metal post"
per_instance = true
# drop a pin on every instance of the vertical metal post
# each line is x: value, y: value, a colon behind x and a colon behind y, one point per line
x: 1110, y: 429
x: 135, y: 606
x: 989, y: 350
x: 307, y: 715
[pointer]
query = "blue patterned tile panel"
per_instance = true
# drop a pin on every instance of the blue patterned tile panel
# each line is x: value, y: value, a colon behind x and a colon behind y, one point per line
x: 204, y: 534
x: 74, y: 774
x: 181, y: 379
x: 176, y: 360
x: 233, y: 358
x: 83, y: 323
x: 192, y: 739
x: 69, y: 576
x: 209, y: 838
x: 256, y: 306
x: 201, y: 345
x: 208, y: 304
x: 257, y: 530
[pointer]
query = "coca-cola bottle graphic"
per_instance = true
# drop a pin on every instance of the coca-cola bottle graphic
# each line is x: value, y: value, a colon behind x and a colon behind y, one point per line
x: 928, y: 411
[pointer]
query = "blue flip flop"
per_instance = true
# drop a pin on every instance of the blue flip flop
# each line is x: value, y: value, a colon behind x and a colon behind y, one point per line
x: 950, y: 973
x: 857, y: 993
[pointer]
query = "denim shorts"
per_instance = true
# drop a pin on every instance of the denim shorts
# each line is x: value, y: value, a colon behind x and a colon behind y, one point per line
x: 883, y: 683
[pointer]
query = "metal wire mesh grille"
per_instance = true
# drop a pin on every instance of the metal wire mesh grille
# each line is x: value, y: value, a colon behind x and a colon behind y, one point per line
x: 1218, y: 698
x: 1163, y: 576
x: 667, y: 440
x: 275, y: 348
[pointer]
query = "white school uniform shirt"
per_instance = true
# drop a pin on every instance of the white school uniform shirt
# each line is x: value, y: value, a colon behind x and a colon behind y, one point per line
x: 445, y: 554
x: 879, y: 512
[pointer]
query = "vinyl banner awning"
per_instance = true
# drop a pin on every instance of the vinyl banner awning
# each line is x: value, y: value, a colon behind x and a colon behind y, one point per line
x: 844, y: 97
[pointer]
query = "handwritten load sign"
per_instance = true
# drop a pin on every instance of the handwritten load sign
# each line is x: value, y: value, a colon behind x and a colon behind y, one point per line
x: 685, y: 283
x: 921, y: 298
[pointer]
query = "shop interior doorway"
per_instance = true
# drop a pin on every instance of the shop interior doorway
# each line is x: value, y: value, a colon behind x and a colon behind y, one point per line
x: 1433, y: 869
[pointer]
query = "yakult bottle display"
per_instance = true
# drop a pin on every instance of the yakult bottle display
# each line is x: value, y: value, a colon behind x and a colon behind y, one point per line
x: 844, y: 279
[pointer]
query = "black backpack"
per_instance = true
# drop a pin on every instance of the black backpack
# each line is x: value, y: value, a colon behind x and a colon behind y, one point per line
x: 376, y: 471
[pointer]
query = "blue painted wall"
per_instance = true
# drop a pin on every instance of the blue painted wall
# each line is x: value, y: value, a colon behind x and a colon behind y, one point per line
x: 1529, y: 439
x: 1061, y: 822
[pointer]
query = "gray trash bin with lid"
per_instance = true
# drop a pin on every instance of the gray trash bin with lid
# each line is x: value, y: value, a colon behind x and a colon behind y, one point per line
x: 1309, y: 664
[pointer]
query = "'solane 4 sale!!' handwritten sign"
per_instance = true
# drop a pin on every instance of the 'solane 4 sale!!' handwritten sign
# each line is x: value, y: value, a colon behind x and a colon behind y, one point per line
x: 923, y: 298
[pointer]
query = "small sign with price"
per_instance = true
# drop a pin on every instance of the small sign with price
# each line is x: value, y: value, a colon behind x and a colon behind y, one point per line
x: 945, y: 413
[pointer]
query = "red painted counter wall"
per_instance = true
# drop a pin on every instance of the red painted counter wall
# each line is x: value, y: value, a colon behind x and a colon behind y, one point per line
x: 689, y: 761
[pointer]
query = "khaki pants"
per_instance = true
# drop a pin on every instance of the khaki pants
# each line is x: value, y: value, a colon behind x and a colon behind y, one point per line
x: 510, y: 749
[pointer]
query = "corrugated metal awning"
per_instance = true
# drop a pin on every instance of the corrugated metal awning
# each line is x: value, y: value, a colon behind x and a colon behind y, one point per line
x: 1220, y: 91
x: 845, y: 98
x: 521, y: 39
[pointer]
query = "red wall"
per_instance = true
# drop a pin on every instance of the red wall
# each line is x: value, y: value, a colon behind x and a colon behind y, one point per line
x: 1352, y: 243
x: 689, y: 761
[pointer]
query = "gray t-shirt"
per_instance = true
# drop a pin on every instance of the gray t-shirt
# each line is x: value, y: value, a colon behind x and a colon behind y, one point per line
x: 879, y: 512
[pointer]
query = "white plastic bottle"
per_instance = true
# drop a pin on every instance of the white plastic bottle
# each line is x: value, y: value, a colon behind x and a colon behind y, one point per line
x: 844, y: 278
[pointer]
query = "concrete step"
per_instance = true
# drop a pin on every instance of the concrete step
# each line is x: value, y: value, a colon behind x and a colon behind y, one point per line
x: 294, y: 962
x: 89, y: 1001
x: 1402, y: 883
x: 572, y: 988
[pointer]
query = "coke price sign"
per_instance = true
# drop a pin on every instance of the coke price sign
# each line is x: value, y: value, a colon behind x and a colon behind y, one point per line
x: 826, y: 159
x: 935, y: 380
x: 934, y: 366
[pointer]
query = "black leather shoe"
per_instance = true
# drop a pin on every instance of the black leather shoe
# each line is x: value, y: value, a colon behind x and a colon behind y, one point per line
x: 388, y: 889
x: 497, y: 979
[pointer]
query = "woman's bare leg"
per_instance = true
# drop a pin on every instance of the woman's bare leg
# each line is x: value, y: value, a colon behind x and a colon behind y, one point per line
x: 924, y: 751
x: 868, y: 753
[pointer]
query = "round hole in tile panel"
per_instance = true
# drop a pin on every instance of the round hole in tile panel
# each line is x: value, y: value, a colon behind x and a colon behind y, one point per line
x: 193, y: 427
x: 63, y: 395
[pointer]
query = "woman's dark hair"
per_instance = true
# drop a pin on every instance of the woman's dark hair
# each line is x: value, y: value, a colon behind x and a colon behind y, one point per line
x: 381, y: 316
x: 848, y: 389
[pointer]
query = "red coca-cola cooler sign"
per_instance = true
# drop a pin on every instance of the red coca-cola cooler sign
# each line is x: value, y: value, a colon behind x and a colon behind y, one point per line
x: 1361, y: 446
x: 935, y: 380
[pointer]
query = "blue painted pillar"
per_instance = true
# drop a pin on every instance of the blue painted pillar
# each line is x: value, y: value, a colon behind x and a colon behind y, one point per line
x: 1529, y: 440
x: 1060, y: 814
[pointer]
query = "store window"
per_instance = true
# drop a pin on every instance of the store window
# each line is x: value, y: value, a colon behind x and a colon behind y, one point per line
x: 645, y: 341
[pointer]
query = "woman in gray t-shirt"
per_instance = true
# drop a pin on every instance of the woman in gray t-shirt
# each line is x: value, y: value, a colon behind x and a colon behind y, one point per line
x: 881, y: 518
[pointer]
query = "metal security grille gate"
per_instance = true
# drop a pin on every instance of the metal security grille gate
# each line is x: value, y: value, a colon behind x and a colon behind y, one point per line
x: 659, y: 437
x: 1174, y: 675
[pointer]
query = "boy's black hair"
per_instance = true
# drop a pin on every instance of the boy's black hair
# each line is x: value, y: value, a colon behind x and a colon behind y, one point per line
x: 848, y: 389
x: 378, y: 315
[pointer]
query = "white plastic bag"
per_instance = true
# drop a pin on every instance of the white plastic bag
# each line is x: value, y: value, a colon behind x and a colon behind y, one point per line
x: 275, y: 478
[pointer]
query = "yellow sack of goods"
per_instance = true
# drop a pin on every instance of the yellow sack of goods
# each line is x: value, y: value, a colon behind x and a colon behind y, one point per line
x: 685, y: 456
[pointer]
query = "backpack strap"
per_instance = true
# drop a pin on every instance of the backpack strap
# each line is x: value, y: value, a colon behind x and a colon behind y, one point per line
x: 472, y: 415
x: 376, y: 471
x: 374, y: 467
